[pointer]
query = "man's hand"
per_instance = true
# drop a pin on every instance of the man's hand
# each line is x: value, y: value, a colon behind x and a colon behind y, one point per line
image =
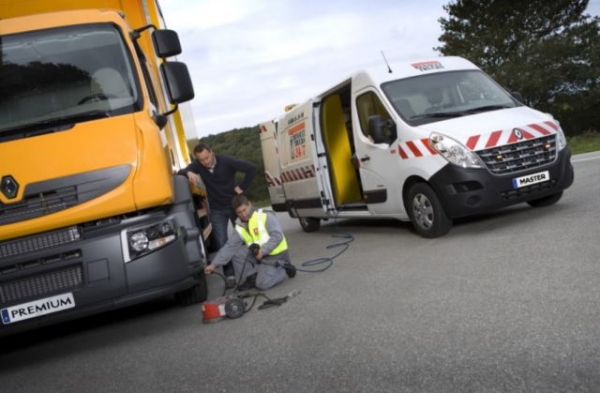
x: 194, y: 178
x: 238, y: 190
x: 208, y: 269
x: 255, y: 249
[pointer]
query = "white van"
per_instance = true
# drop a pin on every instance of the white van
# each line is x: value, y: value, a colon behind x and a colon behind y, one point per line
x: 428, y: 141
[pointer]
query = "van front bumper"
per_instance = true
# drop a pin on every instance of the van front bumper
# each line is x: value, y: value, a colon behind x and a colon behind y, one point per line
x: 466, y: 192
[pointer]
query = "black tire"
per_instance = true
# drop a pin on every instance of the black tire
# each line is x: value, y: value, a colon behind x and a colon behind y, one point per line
x: 426, y: 212
x: 546, y: 201
x: 194, y: 295
x: 310, y: 224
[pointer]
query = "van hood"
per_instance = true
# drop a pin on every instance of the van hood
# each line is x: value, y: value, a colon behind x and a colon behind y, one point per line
x: 496, y: 128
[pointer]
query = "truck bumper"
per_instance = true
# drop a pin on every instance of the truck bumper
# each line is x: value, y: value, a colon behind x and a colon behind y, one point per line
x: 466, y: 192
x: 90, y: 272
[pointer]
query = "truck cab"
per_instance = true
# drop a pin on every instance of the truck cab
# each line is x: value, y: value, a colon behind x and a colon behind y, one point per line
x: 92, y: 215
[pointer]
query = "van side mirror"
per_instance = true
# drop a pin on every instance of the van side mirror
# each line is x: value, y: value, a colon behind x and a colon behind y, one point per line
x: 166, y: 43
x: 517, y: 96
x: 376, y: 127
x: 178, y: 81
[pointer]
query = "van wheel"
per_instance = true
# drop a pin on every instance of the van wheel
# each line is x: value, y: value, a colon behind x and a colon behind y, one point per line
x: 546, y: 201
x: 310, y: 224
x: 426, y: 212
x: 196, y: 294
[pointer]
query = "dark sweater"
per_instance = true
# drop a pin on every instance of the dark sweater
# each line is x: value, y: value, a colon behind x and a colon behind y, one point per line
x: 221, y: 183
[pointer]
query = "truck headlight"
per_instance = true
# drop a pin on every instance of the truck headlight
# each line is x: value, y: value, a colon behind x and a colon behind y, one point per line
x: 139, y: 241
x: 143, y: 240
x: 454, y: 152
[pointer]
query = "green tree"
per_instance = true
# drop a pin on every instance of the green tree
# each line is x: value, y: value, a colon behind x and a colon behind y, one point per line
x: 549, y: 51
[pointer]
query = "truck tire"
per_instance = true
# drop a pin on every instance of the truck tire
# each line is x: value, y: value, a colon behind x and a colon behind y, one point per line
x: 546, y: 201
x: 310, y: 224
x: 426, y: 212
x: 196, y: 294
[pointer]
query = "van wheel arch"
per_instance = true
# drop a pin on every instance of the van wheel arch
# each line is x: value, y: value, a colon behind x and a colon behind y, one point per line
x: 426, y: 211
x: 309, y: 224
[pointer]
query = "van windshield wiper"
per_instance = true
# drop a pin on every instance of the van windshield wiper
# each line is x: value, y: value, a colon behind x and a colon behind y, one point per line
x: 437, y: 115
x: 48, y: 126
x: 487, y: 108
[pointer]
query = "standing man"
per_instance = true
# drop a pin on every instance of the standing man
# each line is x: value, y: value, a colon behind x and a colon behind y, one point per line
x: 258, y: 248
x: 218, y: 172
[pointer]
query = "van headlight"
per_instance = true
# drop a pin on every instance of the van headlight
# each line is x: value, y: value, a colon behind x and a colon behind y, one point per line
x: 561, y: 139
x: 143, y: 240
x: 454, y: 152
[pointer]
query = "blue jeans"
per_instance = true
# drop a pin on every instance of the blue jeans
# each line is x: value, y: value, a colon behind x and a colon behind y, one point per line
x: 220, y: 220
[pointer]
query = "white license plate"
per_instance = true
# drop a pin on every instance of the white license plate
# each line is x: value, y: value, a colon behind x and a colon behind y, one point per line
x: 37, y: 308
x: 528, y: 180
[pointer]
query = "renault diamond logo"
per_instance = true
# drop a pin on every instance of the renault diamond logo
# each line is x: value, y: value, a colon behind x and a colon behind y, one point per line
x: 518, y: 133
x: 9, y: 186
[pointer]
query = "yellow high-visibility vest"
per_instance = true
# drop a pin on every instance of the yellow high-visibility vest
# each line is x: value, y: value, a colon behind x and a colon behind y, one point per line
x: 257, y: 232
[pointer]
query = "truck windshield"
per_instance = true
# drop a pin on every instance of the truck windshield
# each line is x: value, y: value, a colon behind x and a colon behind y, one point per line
x: 445, y: 95
x: 58, y: 77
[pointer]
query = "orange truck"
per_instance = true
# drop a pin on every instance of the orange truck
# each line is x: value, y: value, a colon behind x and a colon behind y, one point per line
x: 92, y: 215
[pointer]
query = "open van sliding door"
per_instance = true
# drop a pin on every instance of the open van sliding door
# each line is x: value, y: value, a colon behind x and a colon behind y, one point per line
x: 306, y: 190
x: 270, y: 150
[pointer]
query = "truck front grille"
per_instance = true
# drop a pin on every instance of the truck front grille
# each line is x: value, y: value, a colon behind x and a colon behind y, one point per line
x: 520, y: 156
x: 38, y: 205
x: 39, y: 242
x: 54, y: 195
x: 40, y: 285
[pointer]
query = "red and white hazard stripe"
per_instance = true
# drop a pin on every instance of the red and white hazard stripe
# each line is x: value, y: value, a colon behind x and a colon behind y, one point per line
x: 272, y: 181
x: 414, y: 149
x: 508, y: 136
x: 300, y: 173
x: 421, y: 148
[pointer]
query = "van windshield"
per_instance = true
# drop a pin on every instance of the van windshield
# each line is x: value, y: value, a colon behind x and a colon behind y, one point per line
x: 445, y: 95
x: 65, y: 75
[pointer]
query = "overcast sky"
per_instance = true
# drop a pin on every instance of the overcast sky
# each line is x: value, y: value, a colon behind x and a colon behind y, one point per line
x: 251, y: 58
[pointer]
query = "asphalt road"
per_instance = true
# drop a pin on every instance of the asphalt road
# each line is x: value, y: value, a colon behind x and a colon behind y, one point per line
x: 508, y: 302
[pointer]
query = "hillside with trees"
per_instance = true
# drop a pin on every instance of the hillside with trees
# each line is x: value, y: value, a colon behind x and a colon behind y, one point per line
x: 242, y: 143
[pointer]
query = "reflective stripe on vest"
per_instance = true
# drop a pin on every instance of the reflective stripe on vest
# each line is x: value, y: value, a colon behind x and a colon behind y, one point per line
x: 257, y: 232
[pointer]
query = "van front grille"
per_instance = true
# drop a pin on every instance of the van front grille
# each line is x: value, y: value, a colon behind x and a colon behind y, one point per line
x: 520, y: 156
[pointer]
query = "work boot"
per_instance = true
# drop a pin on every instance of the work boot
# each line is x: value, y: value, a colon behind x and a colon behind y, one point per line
x: 290, y: 269
x: 249, y: 283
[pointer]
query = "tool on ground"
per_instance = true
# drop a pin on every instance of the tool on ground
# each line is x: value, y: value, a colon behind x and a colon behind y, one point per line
x: 233, y: 306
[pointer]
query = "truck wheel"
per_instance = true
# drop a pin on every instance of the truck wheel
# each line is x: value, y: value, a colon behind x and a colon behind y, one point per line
x: 426, y: 212
x: 310, y: 224
x: 196, y: 294
x: 546, y: 201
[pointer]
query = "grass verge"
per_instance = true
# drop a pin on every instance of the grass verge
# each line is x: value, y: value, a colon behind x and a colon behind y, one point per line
x: 585, y: 143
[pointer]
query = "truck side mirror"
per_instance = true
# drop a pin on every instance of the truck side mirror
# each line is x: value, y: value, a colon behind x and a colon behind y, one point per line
x: 178, y: 81
x: 376, y: 126
x: 166, y: 43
